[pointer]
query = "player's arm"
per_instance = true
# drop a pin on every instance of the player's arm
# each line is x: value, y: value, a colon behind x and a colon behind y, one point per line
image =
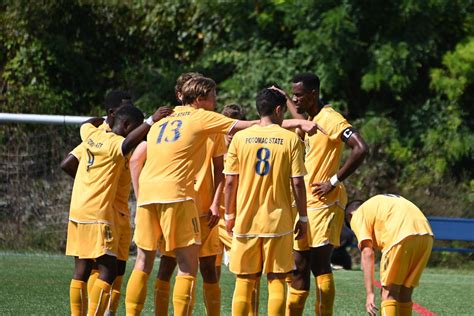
x: 306, y: 126
x: 231, y: 185
x: 367, y: 263
x: 137, y: 160
x: 359, y: 150
x: 96, y: 121
x: 214, y: 216
x: 299, y: 191
x: 139, y: 133
x: 69, y: 165
x: 240, y: 125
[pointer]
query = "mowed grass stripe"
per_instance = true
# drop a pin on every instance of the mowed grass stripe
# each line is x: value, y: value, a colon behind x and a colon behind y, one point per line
x: 38, y: 284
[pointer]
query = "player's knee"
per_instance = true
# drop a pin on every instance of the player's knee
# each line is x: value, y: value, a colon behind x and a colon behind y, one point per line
x: 121, y: 265
x: 207, y: 266
x: 301, y: 281
x: 166, y: 269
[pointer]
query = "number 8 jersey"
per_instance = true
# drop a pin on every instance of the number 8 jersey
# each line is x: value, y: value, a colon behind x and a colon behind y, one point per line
x: 176, y: 150
x: 265, y: 158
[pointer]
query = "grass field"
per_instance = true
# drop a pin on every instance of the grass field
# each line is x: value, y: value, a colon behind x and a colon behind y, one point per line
x: 38, y: 284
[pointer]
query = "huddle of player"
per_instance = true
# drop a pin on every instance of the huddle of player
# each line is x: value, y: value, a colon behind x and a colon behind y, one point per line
x: 178, y: 178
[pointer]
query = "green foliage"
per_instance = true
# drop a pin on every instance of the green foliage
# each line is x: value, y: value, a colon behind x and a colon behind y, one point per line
x: 401, y: 71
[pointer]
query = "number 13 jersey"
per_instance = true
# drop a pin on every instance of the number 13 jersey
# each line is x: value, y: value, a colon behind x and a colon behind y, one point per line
x: 265, y: 158
x: 176, y: 149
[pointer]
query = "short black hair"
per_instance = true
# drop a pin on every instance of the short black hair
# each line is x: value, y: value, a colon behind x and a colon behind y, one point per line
x: 268, y: 100
x: 116, y: 98
x: 130, y: 114
x: 310, y: 81
x: 234, y: 110
x: 352, y: 205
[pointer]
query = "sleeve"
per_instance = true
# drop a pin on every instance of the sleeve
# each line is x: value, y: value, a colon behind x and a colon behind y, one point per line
x: 86, y: 130
x: 116, y: 146
x: 232, y: 162
x: 362, y: 226
x: 213, y: 122
x: 219, y: 148
x: 297, y: 159
x: 76, y: 152
x: 334, y: 124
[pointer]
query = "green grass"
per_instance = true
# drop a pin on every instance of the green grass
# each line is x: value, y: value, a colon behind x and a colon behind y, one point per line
x: 38, y: 284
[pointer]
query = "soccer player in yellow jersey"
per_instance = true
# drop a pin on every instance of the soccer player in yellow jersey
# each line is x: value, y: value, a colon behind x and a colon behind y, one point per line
x: 91, y: 229
x: 399, y: 229
x: 175, y: 151
x: 325, y: 192
x: 113, y: 101
x: 261, y: 164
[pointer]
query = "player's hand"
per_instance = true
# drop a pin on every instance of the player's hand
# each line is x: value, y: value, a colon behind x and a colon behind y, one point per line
x: 213, y: 216
x: 281, y: 91
x: 162, y: 112
x: 321, y: 188
x: 312, y: 128
x: 229, y: 226
x: 300, y: 229
x: 370, y: 306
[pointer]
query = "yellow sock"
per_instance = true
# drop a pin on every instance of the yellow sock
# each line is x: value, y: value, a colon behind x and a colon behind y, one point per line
x: 78, y: 297
x: 115, y: 294
x: 212, y: 298
x: 389, y: 308
x: 99, y: 298
x: 162, y: 297
x: 193, y: 297
x: 182, y: 295
x: 405, y: 309
x: 276, y: 297
x: 289, y: 278
x: 255, y: 301
x: 90, y: 282
x: 325, y: 292
x: 136, y: 292
x: 242, y: 296
x: 295, y: 301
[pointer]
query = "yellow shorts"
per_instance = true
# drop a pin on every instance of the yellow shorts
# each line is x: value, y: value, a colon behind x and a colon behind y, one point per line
x: 209, y: 241
x: 404, y: 263
x: 225, y: 241
x: 324, y: 227
x: 259, y: 254
x: 124, y: 236
x: 90, y: 241
x: 177, y: 223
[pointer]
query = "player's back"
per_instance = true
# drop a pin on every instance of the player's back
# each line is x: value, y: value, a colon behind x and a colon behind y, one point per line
x: 265, y: 157
x: 97, y: 175
x: 176, y: 147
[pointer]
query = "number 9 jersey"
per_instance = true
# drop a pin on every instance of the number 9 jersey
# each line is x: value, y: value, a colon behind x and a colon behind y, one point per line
x: 265, y: 158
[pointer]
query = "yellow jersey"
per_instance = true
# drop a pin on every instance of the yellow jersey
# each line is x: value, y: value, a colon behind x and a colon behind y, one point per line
x: 323, y: 157
x: 265, y: 158
x: 387, y: 219
x: 123, y: 190
x: 97, y: 176
x: 176, y: 149
x: 204, y: 183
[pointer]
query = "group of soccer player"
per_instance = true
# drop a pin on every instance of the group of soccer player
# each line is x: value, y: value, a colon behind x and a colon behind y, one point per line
x: 278, y: 211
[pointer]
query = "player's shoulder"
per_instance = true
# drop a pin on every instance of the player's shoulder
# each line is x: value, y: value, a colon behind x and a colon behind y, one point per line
x: 328, y: 113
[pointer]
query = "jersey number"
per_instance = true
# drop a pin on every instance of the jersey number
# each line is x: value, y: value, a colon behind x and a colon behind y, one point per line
x: 90, y: 159
x: 262, y: 167
x: 175, y: 126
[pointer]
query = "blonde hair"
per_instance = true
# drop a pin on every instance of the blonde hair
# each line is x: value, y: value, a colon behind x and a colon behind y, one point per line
x: 182, y: 79
x: 197, y: 87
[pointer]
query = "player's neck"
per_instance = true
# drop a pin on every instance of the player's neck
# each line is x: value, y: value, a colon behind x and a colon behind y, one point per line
x: 314, y: 110
x: 267, y: 120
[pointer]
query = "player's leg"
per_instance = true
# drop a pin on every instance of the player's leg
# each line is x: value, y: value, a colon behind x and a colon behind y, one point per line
x: 93, y: 276
x: 187, y: 259
x: 116, y: 290
x: 181, y: 231
x: 100, y: 295
x: 405, y: 304
x: 147, y: 234
x: 389, y: 297
x: 162, y: 284
x: 299, y: 288
x: 78, y: 286
x: 325, y: 289
x: 210, y: 247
